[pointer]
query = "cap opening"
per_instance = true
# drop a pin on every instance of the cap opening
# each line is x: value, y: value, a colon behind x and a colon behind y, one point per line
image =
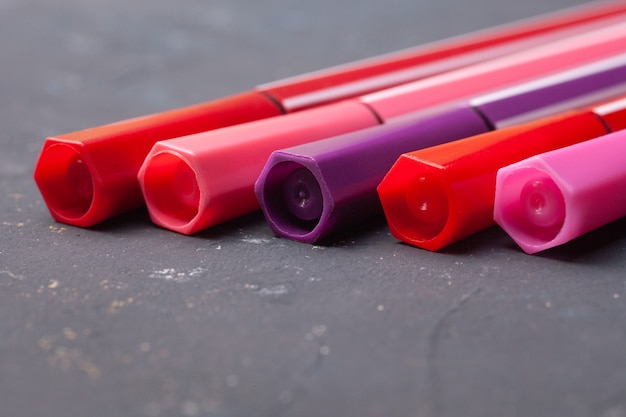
x: 531, y: 206
x: 171, y: 190
x: 65, y: 181
x: 292, y: 198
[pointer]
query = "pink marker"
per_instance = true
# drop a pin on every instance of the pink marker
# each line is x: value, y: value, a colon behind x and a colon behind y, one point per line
x: 554, y: 197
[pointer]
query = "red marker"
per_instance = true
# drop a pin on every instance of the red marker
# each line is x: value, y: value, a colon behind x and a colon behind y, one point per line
x: 88, y: 176
x: 439, y: 195
x: 219, y: 168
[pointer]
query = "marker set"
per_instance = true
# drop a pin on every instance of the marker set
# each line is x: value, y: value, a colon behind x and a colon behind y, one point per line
x: 443, y: 139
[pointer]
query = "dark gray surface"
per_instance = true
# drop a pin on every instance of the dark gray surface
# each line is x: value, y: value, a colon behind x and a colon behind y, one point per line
x: 130, y: 320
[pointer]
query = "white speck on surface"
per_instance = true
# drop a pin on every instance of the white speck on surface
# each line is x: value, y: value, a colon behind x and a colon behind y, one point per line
x: 319, y: 330
x: 253, y: 287
x: 276, y: 290
x: 380, y: 307
x: 145, y: 347
x: 57, y: 229
x: 255, y: 241
x: 616, y: 296
x: 324, y: 350
x: 172, y: 274
x: 548, y: 304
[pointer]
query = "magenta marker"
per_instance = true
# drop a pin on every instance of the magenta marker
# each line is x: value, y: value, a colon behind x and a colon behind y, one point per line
x: 311, y: 191
x: 552, y: 198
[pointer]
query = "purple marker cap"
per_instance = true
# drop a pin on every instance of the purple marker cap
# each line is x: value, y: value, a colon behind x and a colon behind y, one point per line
x: 552, y: 198
x: 310, y: 191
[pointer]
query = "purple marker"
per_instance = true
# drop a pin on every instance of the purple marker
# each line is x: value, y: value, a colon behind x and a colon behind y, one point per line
x: 552, y: 198
x: 311, y: 191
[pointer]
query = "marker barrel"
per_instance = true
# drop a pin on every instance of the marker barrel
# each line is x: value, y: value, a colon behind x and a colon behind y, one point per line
x: 89, y: 176
x: 305, y: 127
x: 342, y: 173
x: 508, y: 70
x: 552, y: 198
x: 103, y: 162
x: 439, y: 195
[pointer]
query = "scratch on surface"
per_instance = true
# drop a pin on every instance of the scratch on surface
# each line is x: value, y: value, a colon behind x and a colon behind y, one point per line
x: 433, y: 347
x: 12, y: 275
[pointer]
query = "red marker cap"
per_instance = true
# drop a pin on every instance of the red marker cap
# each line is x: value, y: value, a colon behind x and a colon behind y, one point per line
x: 86, y: 177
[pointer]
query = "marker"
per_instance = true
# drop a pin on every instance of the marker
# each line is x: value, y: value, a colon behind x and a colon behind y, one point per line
x: 88, y: 176
x: 222, y: 166
x: 439, y: 195
x: 549, y: 199
x: 311, y: 191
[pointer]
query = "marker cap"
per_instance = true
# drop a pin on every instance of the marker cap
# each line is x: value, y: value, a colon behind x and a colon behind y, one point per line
x: 197, y: 181
x: 311, y: 191
x: 89, y: 176
x: 552, y: 198
x: 436, y: 196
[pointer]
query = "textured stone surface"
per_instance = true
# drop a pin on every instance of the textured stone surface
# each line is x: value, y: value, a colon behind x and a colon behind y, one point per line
x: 127, y: 319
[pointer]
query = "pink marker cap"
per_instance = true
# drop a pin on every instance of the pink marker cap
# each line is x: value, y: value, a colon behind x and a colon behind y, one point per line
x: 554, y: 197
x: 197, y: 181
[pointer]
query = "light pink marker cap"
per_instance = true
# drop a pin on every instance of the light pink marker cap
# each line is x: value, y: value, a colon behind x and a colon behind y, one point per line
x: 552, y: 198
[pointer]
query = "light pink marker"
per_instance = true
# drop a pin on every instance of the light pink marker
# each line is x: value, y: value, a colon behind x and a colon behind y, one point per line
x: 554, y: 197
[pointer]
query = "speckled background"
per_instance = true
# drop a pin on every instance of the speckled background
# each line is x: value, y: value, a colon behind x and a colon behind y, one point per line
x: 127, y: 319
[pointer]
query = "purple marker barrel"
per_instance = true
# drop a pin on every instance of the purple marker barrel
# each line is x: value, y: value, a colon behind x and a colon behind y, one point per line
x: 311, y: 191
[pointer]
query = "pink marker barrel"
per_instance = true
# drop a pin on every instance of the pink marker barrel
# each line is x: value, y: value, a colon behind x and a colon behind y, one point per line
x: 554, y: 197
